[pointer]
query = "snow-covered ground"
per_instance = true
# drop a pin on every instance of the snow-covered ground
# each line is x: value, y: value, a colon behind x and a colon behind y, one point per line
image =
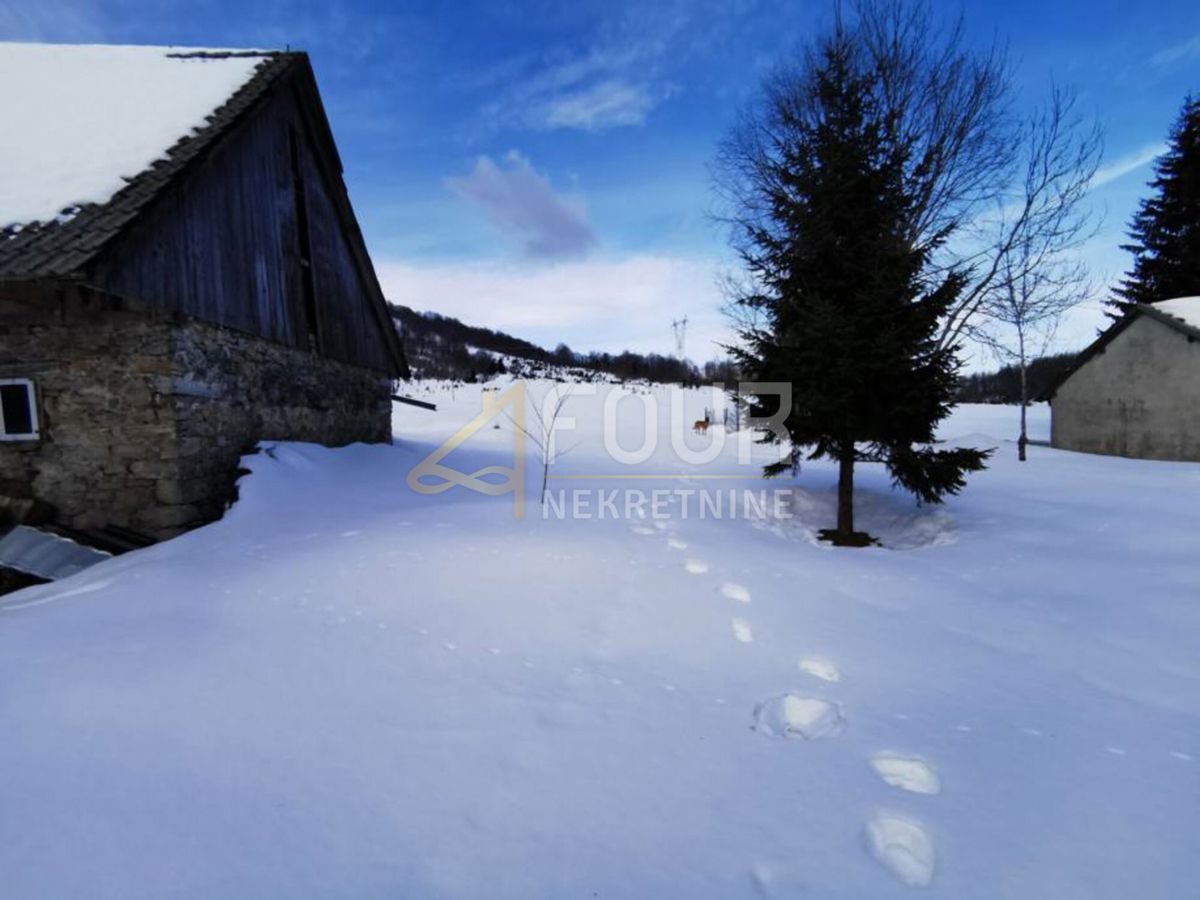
x: 347, y: 689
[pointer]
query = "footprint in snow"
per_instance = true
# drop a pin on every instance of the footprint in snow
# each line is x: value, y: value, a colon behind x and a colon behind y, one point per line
x: 677, y: 544
x: 906, y: 773
x: 696, y: 566
x: 661, y: 525
x: 903, y: 847
x: 641, y: 529
x: 742, y: 631
x: 790, y: 715
x: 820, y: 668
x: 735, y: 592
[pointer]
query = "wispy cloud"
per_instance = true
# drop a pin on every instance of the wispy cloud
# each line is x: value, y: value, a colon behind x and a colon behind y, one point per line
x: 608, y: 104
x: 1181, y: 52
x: 1127, y: 164
x: 616, y: 81
x: 521, y: 203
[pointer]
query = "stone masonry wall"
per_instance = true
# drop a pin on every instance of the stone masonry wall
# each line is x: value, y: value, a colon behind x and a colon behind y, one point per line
x: 143, y: 419
x: 107, y: 432
x: 232, y: 390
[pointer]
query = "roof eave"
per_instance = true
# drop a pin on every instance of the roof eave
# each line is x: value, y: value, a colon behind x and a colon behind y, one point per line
x: 1097, y: 346
x: 1169, y: 320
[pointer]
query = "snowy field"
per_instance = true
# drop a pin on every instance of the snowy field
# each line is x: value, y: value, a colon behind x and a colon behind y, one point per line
x: 347, y: 689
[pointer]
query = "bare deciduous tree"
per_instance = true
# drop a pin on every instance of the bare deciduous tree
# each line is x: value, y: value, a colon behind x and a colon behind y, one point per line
x: 950, y: 105
x: 971, y: 163
x: 541, y: 431
x: 1039, y: 277
x: 947, y: 104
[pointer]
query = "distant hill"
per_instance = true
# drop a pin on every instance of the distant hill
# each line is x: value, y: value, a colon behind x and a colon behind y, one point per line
x: 443, y: 347
x: 440, y: 346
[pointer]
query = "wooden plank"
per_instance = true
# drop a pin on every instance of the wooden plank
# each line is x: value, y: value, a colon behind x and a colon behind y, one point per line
x: 412, y: 401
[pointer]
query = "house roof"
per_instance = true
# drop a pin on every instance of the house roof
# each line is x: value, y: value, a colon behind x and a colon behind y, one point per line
x: 100, y: 131
x: 104, y: 131
x: 80, y: 120
x: 1181, y: 314
x: 1184, y: 309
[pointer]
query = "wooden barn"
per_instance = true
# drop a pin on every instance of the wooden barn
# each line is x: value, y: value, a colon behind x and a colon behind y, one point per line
x: 181, y: 277
x: 1136, y: 390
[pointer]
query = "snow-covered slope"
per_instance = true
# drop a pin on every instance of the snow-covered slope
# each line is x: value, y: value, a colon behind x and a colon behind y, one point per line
x: 345, y: 689
x: 80, y: 120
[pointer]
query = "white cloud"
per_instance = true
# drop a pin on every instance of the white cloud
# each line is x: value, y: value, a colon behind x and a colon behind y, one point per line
x: 1127, y: 164
x: 605, y: 105
x: 607, y: 305
x: 521, y: 203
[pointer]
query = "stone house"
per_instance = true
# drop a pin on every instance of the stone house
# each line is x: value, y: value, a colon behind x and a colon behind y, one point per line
x: 181, y: 277
x: 1136, y: 390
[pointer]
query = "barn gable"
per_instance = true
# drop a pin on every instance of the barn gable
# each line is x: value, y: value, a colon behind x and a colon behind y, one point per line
x: 1181, y: 315
x: 196, y: 286
x: 1136, y: 390
x: 245, y: 223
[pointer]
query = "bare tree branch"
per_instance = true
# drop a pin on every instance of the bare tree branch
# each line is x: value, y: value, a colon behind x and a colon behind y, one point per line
x: 542, y: 436
x: 1038, y: 278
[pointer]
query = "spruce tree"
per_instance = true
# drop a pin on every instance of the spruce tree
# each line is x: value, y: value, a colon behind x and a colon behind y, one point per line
x: 846, y: 305
x: 1165, y: 232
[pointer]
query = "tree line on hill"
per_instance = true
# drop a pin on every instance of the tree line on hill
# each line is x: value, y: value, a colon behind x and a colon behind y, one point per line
x: 441, y: 346
x: 1004, y: 385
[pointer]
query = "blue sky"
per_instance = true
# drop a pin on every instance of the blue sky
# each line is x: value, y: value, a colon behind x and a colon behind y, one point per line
x: 543, y: 167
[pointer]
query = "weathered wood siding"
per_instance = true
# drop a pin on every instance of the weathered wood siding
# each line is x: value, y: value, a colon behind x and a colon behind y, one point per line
x: 224, y: 245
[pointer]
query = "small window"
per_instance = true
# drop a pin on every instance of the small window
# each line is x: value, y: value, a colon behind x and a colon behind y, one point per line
x: 18, y: 410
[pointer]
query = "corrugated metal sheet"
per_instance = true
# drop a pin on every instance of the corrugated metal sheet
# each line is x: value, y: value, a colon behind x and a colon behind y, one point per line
x: 44, y: 554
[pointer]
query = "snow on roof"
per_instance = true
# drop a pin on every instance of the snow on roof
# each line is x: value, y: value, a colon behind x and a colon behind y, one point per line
x: 1186, y: 309
x: 79, y: 120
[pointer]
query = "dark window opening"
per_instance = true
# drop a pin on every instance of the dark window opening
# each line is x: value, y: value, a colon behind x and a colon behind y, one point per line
x: 18, y: 414
x: 307, y: 284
